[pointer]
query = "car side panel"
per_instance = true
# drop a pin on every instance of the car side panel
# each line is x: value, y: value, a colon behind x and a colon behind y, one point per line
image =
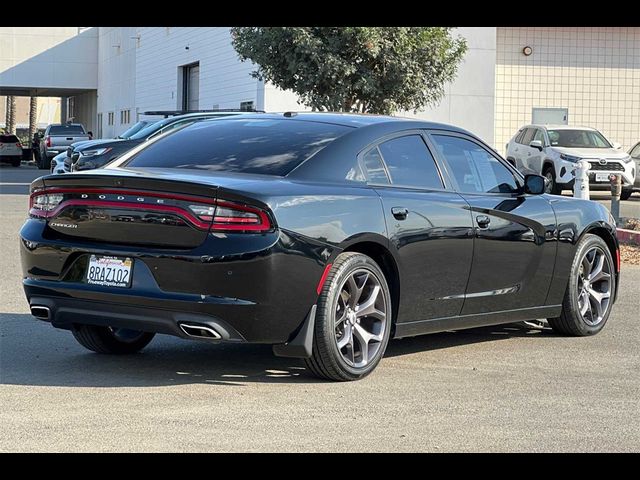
x: 575, y: 218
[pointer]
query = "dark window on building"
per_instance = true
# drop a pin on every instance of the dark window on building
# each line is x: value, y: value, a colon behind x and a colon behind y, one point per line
x: 262, y: 146
x: 99, y: 125
x: 110, y: 119
x: 410, y: 163
x: 247, y: 106
x: 474, y: 168
x: 191, y: 87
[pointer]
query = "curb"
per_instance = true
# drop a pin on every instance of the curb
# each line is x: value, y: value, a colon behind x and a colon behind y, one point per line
x: 628, y: 236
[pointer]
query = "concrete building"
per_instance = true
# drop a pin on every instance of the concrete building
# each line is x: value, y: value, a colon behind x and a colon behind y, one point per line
x: 109, y: 76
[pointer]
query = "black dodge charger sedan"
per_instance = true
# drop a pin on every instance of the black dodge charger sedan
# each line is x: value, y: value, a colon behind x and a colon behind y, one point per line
x: 324, y: 235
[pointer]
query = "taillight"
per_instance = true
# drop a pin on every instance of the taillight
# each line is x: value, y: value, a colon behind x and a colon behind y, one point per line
x: 40, y: 203
x: 204, y: 214
x: 19, y: 145
x: 232, y: 216
x: 48, y: 141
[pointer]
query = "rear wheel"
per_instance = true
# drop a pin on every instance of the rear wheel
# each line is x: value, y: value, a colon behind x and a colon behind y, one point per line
x: 588, y: 298
x: 353, y: 320
x: 551, y: 186
x: 626, y: 193
x: 110, y: 339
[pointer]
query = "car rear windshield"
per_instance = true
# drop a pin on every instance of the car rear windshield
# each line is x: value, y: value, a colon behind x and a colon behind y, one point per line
x: 8, y: 139
x: 66, y: 130
x: 577, y: 139
x: 262, y: 146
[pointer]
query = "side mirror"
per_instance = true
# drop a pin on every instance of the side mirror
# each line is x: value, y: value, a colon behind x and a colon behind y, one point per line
x: 617, y: 146
x: 534, y: 184
x: 536, y: 144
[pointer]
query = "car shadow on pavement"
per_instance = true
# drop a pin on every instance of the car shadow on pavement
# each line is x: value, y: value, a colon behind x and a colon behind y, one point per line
x: 450, y: 339
x: 34, y: 353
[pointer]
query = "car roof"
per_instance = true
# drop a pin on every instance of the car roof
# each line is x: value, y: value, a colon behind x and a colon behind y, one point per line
x: 551, y: 126
x: 354, y: 120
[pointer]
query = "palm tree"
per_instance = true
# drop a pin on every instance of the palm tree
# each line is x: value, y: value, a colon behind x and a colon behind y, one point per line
x: 33, y: 111
x: 11, y: 115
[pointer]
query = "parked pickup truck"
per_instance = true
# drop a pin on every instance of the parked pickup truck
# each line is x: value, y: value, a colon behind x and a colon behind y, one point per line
x: 56, y: 139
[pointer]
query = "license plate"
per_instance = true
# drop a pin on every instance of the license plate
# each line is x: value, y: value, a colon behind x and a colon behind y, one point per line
x: 109, y: 271
x: 602, y: 177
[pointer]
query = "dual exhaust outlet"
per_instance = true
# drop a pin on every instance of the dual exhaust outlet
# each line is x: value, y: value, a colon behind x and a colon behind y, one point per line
x: 191, y: 329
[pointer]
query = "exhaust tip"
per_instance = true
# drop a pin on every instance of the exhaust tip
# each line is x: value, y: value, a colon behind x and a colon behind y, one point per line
x: 41, y: 312
x: 200, y: 331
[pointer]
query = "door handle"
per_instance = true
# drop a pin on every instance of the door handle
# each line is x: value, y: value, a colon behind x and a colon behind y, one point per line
x: 483, y: 221
x: 400, y: 213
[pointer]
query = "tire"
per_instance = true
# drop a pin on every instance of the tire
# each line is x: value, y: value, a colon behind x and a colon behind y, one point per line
x: 575, y: 320
x: 44, y: 163
x: 626, y: 194
x: 113, y: 341
x: 551, y: 187
x: 345, y: 363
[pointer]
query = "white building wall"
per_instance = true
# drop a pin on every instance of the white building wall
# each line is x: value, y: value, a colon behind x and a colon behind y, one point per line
x: 28, y: 59
x: 116, y: 77
x: 468, y: 101
x: 85, y: 110
x: 594, y: 72
x: 224, y: 80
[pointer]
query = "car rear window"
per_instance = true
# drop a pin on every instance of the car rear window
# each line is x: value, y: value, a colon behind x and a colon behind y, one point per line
x: 262, y: 146
x: 66, y: 130
x: 8, y: 139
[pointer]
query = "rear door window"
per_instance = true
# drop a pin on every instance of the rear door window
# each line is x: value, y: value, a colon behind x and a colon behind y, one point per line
x: 410, y: 163
x: 528, y: 136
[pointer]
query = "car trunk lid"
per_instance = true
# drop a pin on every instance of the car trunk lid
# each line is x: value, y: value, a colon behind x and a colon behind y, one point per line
x: 125, y: 208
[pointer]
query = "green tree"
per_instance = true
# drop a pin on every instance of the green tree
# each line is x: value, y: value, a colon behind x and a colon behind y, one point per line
x: 354, y: 69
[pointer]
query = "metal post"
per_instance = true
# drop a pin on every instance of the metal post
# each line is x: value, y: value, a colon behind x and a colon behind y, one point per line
x: 581, y: 182
x: 616, y: 190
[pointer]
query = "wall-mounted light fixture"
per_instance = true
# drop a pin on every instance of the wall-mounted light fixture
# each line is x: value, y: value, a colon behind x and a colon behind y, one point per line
x: 526, y: 51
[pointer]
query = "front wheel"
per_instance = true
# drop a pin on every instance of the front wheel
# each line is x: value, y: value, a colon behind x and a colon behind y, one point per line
x: 111, y: 340
x: 353, y: 320
x: 551, y: 186
x: 589, y: 295
x: 626, y: 193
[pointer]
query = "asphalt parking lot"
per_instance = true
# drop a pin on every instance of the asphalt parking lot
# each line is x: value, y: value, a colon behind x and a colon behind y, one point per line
x: 506, y: 388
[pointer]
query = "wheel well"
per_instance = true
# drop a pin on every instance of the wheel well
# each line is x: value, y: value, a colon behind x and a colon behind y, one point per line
x: 387, y: 263
x: 608, y: 239
x: 548, y: 163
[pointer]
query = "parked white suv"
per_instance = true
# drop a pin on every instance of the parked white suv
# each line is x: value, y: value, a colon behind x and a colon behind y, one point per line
x: 553, y: 150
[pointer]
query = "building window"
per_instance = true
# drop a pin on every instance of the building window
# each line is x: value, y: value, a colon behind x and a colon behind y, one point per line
x: 99, y: 122
x: 125, y: 117
x: 247, y: 106
x: 110, y: 119
x: 190, y: 86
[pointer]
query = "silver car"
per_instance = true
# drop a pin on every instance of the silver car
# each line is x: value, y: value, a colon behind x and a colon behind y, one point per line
x: 554, y: 150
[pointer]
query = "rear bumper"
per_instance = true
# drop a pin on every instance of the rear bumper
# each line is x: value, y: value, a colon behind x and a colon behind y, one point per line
x: 64, y: 312
x: 258, y: 290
